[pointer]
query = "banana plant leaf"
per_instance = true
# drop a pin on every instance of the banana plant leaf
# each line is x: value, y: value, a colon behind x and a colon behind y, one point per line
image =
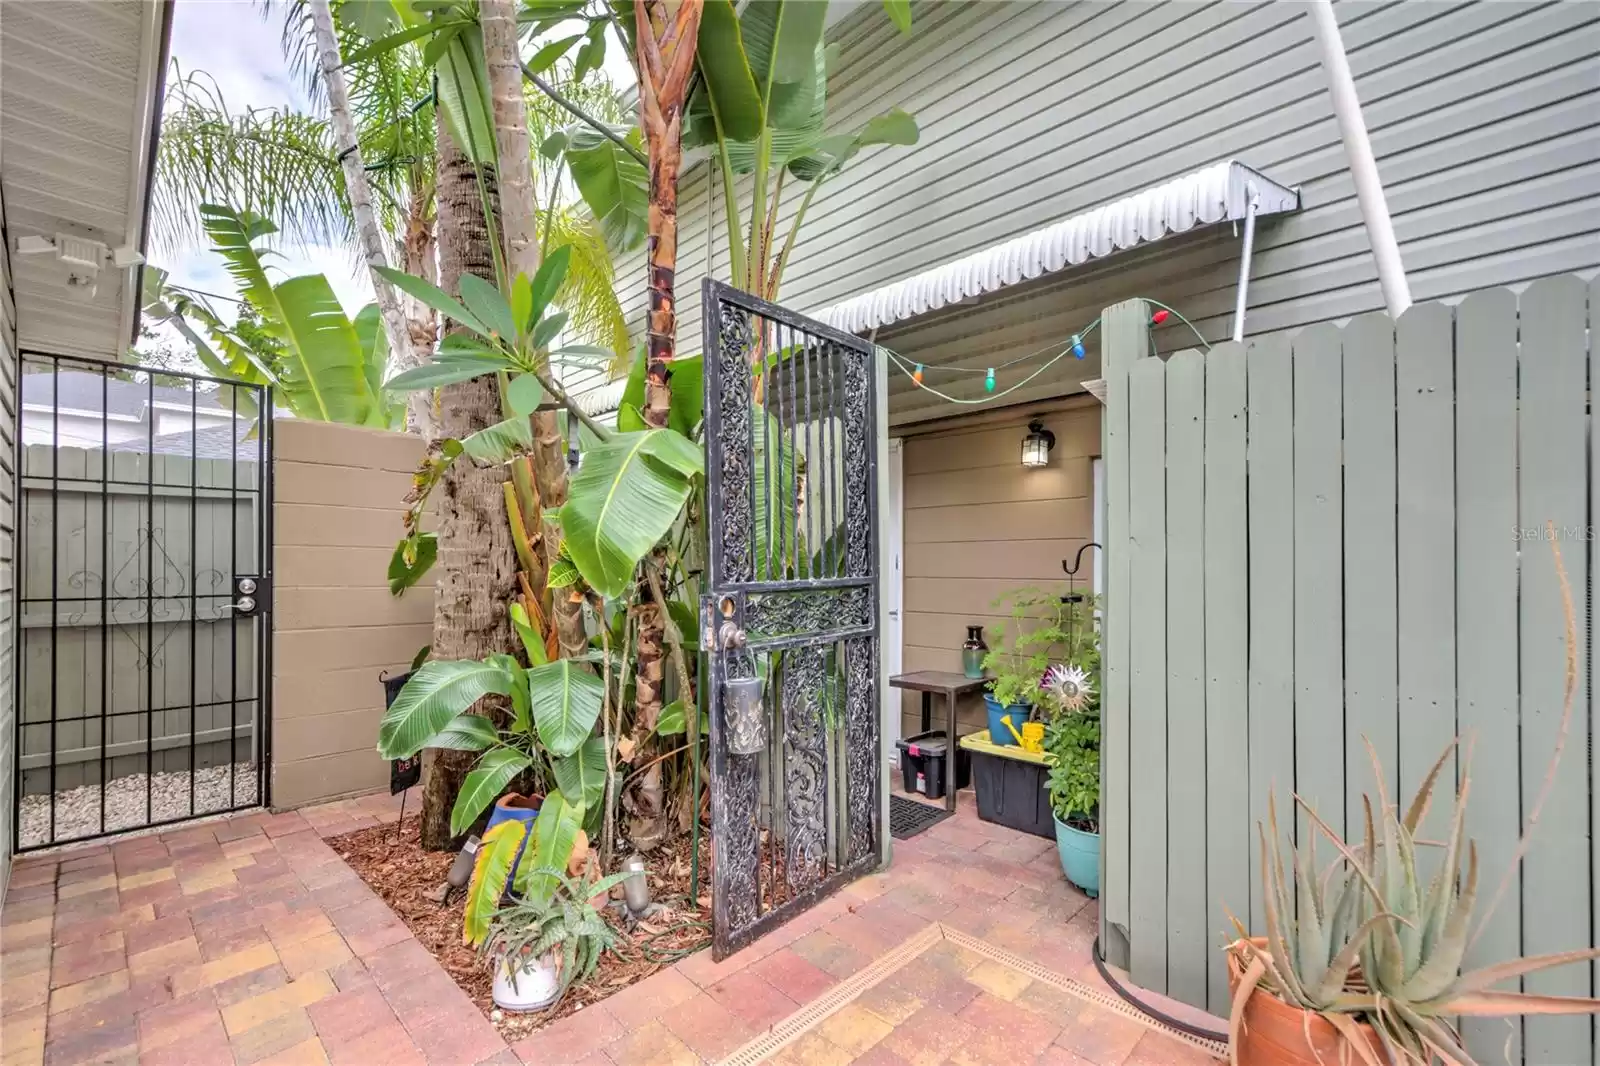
x: 688, y: 396
x: 413, y: 557
x: 729, y: 87
x: 463, y: 93
x: 624, y: 499
x: 374, y: 346
x: 613, y: 184
x: 799, y: 123
x: 466, y: 732
x: 484, y: 784
x: 496, y: 852
x: 781, y: 37
x: 581, y: 776
x: 323, y: 373
x: 323, y: 368
x: 435, y: 694
x: 828, y: 154
x: 566, y: 704
x: 501, y: 442
x: 778, y: 538
x: 555, y: 833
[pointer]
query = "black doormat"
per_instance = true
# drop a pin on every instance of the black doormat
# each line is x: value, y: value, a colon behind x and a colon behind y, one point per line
x: 907, y: 817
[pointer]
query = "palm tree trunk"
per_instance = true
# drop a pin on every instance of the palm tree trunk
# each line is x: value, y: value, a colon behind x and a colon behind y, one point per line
x: 519, y: 222
x: 355, y: 181
x: 477, y: 563
x: 666, y: 44
x: 422, y: 324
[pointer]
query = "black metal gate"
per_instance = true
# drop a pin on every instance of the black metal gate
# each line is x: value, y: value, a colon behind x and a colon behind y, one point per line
x: 142, y: 576
x: 790, y: 614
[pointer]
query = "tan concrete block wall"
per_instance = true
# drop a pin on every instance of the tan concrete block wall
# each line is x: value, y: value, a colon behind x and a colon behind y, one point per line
x: 978, y: 524
x: 339, y: 497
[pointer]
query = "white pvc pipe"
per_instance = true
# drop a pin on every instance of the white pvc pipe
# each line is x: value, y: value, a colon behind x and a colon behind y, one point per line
x: 1363, y: 167
x: 1247, y: 248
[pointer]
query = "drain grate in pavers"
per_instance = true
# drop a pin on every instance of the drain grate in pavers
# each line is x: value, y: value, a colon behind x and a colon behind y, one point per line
x: 908, y: 817
x: 812, y: 1015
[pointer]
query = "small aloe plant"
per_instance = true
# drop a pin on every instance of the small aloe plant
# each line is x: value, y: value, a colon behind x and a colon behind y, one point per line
x: 564, y: 922
x: 1371, y: 943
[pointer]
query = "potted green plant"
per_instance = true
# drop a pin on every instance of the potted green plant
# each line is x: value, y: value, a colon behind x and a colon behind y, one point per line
x: 546, y: 941
x: 1044, y: 628
x: 1050, y: 635
x: 1072, y: 744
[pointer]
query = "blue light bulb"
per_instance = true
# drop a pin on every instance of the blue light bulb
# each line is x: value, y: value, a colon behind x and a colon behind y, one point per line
x: 1077, y: 347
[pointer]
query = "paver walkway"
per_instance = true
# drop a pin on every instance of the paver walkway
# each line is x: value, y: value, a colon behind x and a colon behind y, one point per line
x: 248, y: 940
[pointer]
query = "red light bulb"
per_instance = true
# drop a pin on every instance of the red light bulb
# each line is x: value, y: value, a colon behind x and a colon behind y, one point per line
x: 1158, y: 318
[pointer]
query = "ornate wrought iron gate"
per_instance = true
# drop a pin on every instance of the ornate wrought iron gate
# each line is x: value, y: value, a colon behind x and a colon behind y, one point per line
x: 143, y: 595
x: 790, y: 615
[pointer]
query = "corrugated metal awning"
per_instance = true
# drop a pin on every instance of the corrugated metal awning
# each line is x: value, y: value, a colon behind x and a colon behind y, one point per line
x: 1219, y: 193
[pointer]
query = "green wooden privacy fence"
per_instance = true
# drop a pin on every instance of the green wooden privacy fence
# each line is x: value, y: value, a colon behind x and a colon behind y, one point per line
x: 149, y: 546
x: 1340, y: 535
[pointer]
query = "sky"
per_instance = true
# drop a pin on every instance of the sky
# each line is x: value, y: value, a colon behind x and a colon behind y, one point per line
x: 232, y: 42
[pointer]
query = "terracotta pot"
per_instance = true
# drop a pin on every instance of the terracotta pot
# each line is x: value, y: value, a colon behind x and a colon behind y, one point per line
x: 1275, y: 1033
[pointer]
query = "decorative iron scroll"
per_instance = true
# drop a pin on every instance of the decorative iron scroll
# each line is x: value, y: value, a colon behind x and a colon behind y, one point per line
x: 771, y: 615
x: 860, y: 446
x: 805, y: 765
x: 862, y: 764
x: 736, y: 342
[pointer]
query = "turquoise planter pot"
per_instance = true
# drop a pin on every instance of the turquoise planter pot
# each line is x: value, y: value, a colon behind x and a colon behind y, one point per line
x: 1018, y: 713
x: 1080, y: 856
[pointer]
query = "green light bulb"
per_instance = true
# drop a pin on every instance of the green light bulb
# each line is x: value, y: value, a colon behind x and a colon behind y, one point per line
x: 988, y: 380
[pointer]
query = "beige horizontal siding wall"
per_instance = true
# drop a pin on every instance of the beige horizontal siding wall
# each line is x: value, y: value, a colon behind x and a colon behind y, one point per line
x: 337, y: 510
x: 977, y: 524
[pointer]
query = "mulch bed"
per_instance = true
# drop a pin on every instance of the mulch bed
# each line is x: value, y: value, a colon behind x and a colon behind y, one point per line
x: 403, y: 874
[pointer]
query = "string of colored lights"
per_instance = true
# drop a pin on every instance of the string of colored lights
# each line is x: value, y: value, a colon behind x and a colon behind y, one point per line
x: 1074, y: 347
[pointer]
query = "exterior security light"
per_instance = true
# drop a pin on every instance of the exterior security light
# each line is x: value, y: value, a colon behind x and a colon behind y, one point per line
x: 1036, y: 445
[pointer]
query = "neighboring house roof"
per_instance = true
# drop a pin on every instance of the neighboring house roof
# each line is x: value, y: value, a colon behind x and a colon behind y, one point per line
x: 1217, y: 193
x: 81, y: 390
x: 238, y: 442
x: 81, y: 105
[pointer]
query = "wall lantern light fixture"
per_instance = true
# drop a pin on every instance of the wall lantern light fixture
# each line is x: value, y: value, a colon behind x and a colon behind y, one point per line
x: 1036, y: 445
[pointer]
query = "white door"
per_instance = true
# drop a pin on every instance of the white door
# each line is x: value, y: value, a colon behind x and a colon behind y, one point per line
x: 894, y: 584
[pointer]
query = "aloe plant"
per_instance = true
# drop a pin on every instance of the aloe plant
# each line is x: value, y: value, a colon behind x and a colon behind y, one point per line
x: 565, y: 922
x: 1369, y: 941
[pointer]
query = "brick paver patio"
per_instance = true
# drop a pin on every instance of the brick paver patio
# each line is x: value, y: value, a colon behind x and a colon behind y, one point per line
x: 248, y: 940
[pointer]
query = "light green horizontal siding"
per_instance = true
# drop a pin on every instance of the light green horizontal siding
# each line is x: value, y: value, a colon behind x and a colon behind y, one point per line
x: 1485, y: 119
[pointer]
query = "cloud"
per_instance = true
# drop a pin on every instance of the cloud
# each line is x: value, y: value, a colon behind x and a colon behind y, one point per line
x: 238, y: 45
x: 242, y: 52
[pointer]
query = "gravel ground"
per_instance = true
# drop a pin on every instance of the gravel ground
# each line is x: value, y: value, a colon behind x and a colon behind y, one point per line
x: 78, y: 809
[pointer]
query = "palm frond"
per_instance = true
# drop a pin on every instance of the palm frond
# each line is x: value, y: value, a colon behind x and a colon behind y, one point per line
x: 277, y: 163
x: 588, y: 294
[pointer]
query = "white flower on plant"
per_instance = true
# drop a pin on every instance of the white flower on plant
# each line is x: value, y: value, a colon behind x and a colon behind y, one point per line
x: 1070, y: 686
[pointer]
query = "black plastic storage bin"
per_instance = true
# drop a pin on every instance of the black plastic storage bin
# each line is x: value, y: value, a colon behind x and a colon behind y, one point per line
x: 1010, y: 786
x: 922, y: 764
